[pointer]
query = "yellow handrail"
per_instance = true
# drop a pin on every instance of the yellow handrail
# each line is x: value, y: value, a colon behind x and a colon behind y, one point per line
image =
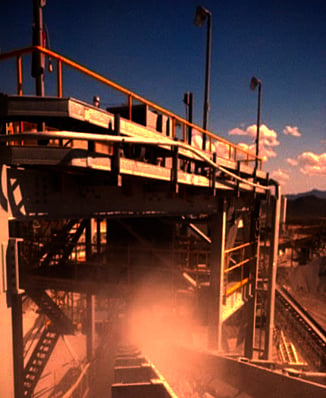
x: 232, y: 249
x: 236, y: 287
x: 131, y: 95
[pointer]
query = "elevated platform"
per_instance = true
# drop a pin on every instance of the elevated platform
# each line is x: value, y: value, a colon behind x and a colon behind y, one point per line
x: 69, y: 114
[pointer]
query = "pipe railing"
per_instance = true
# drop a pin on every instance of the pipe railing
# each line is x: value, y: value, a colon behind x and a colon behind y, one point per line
x: 244, y: 258
x: 235, y: 152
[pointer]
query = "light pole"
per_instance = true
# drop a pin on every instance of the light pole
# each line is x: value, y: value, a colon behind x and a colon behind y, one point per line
x: 254, y: 82
x: 38, y: 40
x: 201, y: 15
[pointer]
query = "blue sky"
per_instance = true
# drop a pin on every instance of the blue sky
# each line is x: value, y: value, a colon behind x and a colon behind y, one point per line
x: 154, y: 49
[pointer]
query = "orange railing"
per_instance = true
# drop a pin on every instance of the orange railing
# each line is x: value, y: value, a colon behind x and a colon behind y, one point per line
x: 245, y: 256
x: 232, y: 151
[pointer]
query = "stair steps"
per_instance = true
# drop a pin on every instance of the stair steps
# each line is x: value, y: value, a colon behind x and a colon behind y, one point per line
x: 55, y: 314
x: 39, y: 359
x: 60, y: 247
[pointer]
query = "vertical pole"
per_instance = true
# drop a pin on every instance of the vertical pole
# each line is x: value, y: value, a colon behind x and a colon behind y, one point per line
x: 59, y: 78
x: 38, y: 58
x: 115, y: 160
x: 90, y: 302
x: 98, y: 236
x: 18, y: 344
x: 174, y: 169
x: 88, y: 239
x: 276, y: 203
x: 130, y: 107
x: 253, y: 275
x: 258, y: 124
x: 216, y: 261
x: 188, y: 100
x: 6, y: 343
x: 19, y: 70
x: 207, y: 76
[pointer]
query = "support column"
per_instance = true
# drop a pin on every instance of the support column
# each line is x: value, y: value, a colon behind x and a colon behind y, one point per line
x: 88, y: 240
x: 90, y: 331
x: 90, y: 300
x: 216, y: 262
x: 6, y: 346
x: 18, y: 344
x: 276, y: 207
x: 253, y: 276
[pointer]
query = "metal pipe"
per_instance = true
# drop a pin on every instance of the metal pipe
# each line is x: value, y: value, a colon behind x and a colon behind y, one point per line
x: 198, y: 231
x: 109, y: 138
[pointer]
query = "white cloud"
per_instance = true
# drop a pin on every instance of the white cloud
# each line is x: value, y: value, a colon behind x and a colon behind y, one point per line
x: 197, y: 139
x: 281, y: 176
x: 247, y: 147
x: 292, y: 130
x: 292, y: 162
x: 267, y: 153
x: 266, y: 135
x: 238, y: 131
x: 222, y: 150
x: 312, y: 164
x: 267, y: 140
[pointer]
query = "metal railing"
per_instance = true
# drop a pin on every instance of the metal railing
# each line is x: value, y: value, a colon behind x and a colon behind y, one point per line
x: 237, y: 267
x: 231, y: 151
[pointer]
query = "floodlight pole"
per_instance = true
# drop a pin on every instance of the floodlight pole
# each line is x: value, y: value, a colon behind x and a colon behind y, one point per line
x: 202, y: 14
x: 253, y: 84
x: 38, y: 40
x: 207, y: 73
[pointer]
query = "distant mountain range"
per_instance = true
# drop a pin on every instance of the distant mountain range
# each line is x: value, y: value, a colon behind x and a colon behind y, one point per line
x: 307, y: 205
x: 315, y: 192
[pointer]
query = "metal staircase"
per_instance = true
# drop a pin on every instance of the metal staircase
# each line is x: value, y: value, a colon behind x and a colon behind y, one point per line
x: 57, y: 252
x: 58, y: 324
x: 59, y: 320
x: 39, y: 359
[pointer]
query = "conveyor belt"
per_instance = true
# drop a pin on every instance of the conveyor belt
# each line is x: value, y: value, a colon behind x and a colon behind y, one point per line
x: 307, y: 331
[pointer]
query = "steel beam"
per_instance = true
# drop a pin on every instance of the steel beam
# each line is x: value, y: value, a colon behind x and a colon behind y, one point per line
x: 253, y: 275
x: 36, y: 194
x: 276, y: 208
x: 90, y: 330
x: 6, y: 346
x: 218, y: 231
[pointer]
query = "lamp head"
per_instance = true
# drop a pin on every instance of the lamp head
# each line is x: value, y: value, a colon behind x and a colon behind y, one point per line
x: 200, y: 16
x: 96, y: 101
x: 254, y: 82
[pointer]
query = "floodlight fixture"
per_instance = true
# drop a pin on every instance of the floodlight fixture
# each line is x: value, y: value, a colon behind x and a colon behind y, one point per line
x: 254, y: 82
x: 201, y: 14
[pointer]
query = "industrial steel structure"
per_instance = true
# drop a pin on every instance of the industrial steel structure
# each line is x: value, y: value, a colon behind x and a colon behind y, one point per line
x: 93, y: 199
